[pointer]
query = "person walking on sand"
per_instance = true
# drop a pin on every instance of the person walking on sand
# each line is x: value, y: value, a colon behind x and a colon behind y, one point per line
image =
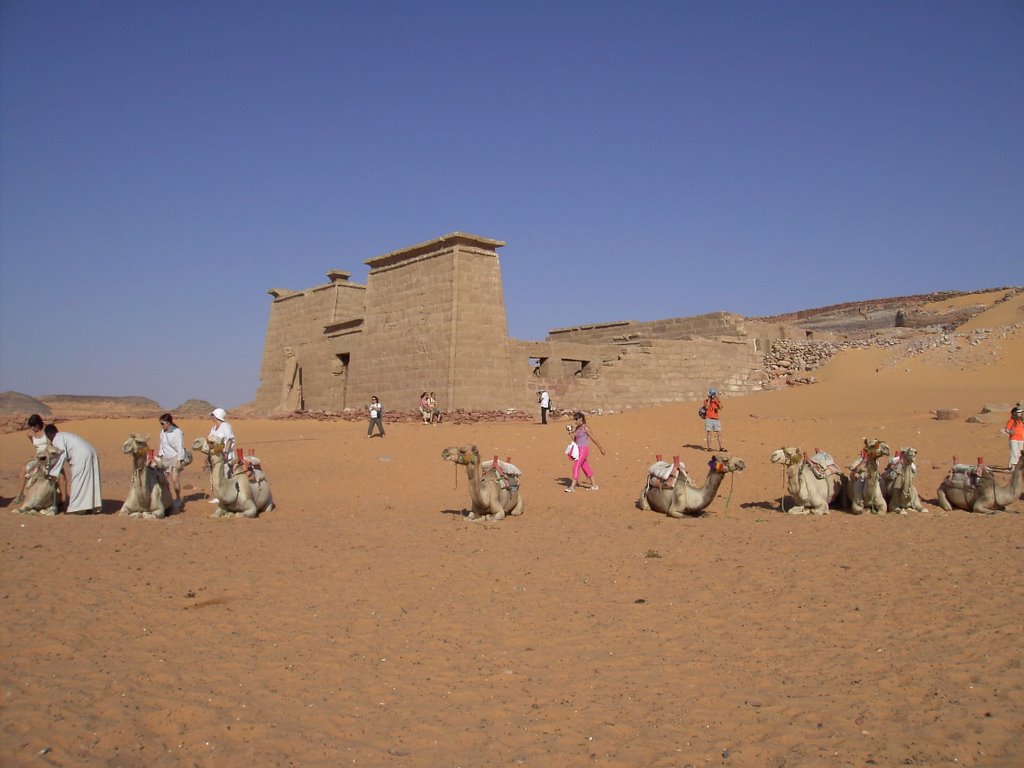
x: 171, y: 453
x: 1015, y: 430
x: 77, y: 470
x: 376, y: 414
x: 583, y: 437
x: 712, y: 405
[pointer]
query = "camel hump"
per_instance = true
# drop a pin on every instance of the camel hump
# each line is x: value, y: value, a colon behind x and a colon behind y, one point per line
x: 663, y: 469
x: 505, y: 467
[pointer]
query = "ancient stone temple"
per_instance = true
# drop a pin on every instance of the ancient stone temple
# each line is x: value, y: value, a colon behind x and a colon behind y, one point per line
x: 432, y: 317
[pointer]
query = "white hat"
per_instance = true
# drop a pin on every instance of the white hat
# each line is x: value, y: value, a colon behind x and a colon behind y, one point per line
x: 219, y: 414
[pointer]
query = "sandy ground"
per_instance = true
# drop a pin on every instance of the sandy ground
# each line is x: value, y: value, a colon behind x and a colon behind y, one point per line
x: 367, y: 622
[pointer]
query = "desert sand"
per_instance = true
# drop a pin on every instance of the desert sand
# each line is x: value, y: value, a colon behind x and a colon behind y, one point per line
x: 367, y: 622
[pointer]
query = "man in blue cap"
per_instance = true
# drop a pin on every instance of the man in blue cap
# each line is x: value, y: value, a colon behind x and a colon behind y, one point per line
x: 712, y: 406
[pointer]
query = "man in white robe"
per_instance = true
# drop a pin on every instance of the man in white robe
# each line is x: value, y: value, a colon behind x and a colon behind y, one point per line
x: 78, y: 460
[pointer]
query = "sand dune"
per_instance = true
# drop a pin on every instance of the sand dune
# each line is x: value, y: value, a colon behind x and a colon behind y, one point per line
x: 367, y: 623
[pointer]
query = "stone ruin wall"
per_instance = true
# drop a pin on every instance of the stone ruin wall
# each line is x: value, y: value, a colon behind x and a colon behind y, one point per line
x: 407, y: 332
x: 713, y: 324
x: 435, y: 321
x: 299, y: 370
x: 432, y: 317
x: 654, y: 372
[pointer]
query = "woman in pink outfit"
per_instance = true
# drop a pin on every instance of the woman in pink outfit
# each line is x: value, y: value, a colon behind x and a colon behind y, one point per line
x: 583, y: 437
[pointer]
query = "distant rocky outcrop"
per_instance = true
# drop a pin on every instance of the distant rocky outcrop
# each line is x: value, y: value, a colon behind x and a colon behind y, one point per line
x: 193, y: 409
x: 100, y: 406
x: 859, y: 317
x: 14, y: 403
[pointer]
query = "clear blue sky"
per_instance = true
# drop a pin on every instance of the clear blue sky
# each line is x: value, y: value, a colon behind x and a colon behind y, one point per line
x: 162, y: 164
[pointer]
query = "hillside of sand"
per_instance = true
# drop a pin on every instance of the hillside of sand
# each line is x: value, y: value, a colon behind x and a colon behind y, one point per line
x: 366, y: 621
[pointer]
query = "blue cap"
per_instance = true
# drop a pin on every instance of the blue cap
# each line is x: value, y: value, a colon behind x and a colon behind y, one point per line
x: 712, y: 391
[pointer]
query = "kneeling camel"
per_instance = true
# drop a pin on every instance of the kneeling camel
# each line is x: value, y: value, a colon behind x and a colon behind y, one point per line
x: 150, y: 495
x: 242, y: 493
x: 812, y: 488
x: 675, y: 496
x: 980, y: 492
x: 493, y: 488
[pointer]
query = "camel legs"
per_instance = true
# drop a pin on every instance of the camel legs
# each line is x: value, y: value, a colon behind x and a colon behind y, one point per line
x: 518, y: 508
x: 943, y: 501
x: 645, y: 505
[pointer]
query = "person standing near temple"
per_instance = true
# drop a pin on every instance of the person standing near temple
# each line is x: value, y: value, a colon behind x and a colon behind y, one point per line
x: 545, y: 404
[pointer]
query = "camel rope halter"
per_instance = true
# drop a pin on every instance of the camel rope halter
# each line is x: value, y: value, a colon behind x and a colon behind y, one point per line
x: 785, y: 486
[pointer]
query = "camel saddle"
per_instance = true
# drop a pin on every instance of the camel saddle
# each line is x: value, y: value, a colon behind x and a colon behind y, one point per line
x: 822, y: 465
x: 965, y: 476
x: 662, y: 474
x: 506, y: 474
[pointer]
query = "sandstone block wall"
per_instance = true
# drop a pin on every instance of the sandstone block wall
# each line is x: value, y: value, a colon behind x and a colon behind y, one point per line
x: 711, y: 324
x: 435, y: 321
x: 618, y: 377
x: 299, y: 370
x: 432, y: 317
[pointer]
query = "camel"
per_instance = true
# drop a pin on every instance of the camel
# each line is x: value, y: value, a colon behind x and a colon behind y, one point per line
x: 246, y: 492
x: 675, y: 496
x: 493, y: 488
x: 864, y: 491
x: 42, y: 493
x: 975, y: 489
x: 150, y: 495
x: 898, y: 483
x: 813, y: 484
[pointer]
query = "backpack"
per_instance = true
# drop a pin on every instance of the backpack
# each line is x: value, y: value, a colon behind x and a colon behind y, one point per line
x: 188, y: 457
x: 702, y: 412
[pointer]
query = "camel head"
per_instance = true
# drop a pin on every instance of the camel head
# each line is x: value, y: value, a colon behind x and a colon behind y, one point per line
x: 725, y: 464
x: 787, y: 456
x: 466, y: 455
x: 908, y: 455
x: 136, y: 445
x: 203, y: 445
x: 875, y: 448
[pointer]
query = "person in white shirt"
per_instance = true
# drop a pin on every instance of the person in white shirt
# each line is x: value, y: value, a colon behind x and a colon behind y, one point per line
x: 221, y: 432
x: 40, y: 444
x: 545, y: 404
x: 171, y: 453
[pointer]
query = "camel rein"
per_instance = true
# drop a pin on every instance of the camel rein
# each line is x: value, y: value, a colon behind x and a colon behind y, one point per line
x: 785, y: 486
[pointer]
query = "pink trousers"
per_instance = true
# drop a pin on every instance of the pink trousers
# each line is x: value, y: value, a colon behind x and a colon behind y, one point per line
x: 581, y: 463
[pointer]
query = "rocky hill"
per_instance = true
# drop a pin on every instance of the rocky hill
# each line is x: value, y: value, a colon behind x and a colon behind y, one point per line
x: 926, y: 310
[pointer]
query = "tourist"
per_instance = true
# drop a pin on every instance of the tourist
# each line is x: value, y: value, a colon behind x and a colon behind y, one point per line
x: 712, y: 405
x: 40, y: 444
x: 221, y: 432
x: 376, y: 414
x: 172, y: 453
x: 425, y: 408
x: 545, y: 404
x: 583, y: 437
x: 1015, y: 430
x: 77, y: 471
x: 435, y: 412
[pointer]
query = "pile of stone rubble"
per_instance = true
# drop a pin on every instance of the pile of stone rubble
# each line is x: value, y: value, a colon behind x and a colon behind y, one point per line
x: 793, y: 360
